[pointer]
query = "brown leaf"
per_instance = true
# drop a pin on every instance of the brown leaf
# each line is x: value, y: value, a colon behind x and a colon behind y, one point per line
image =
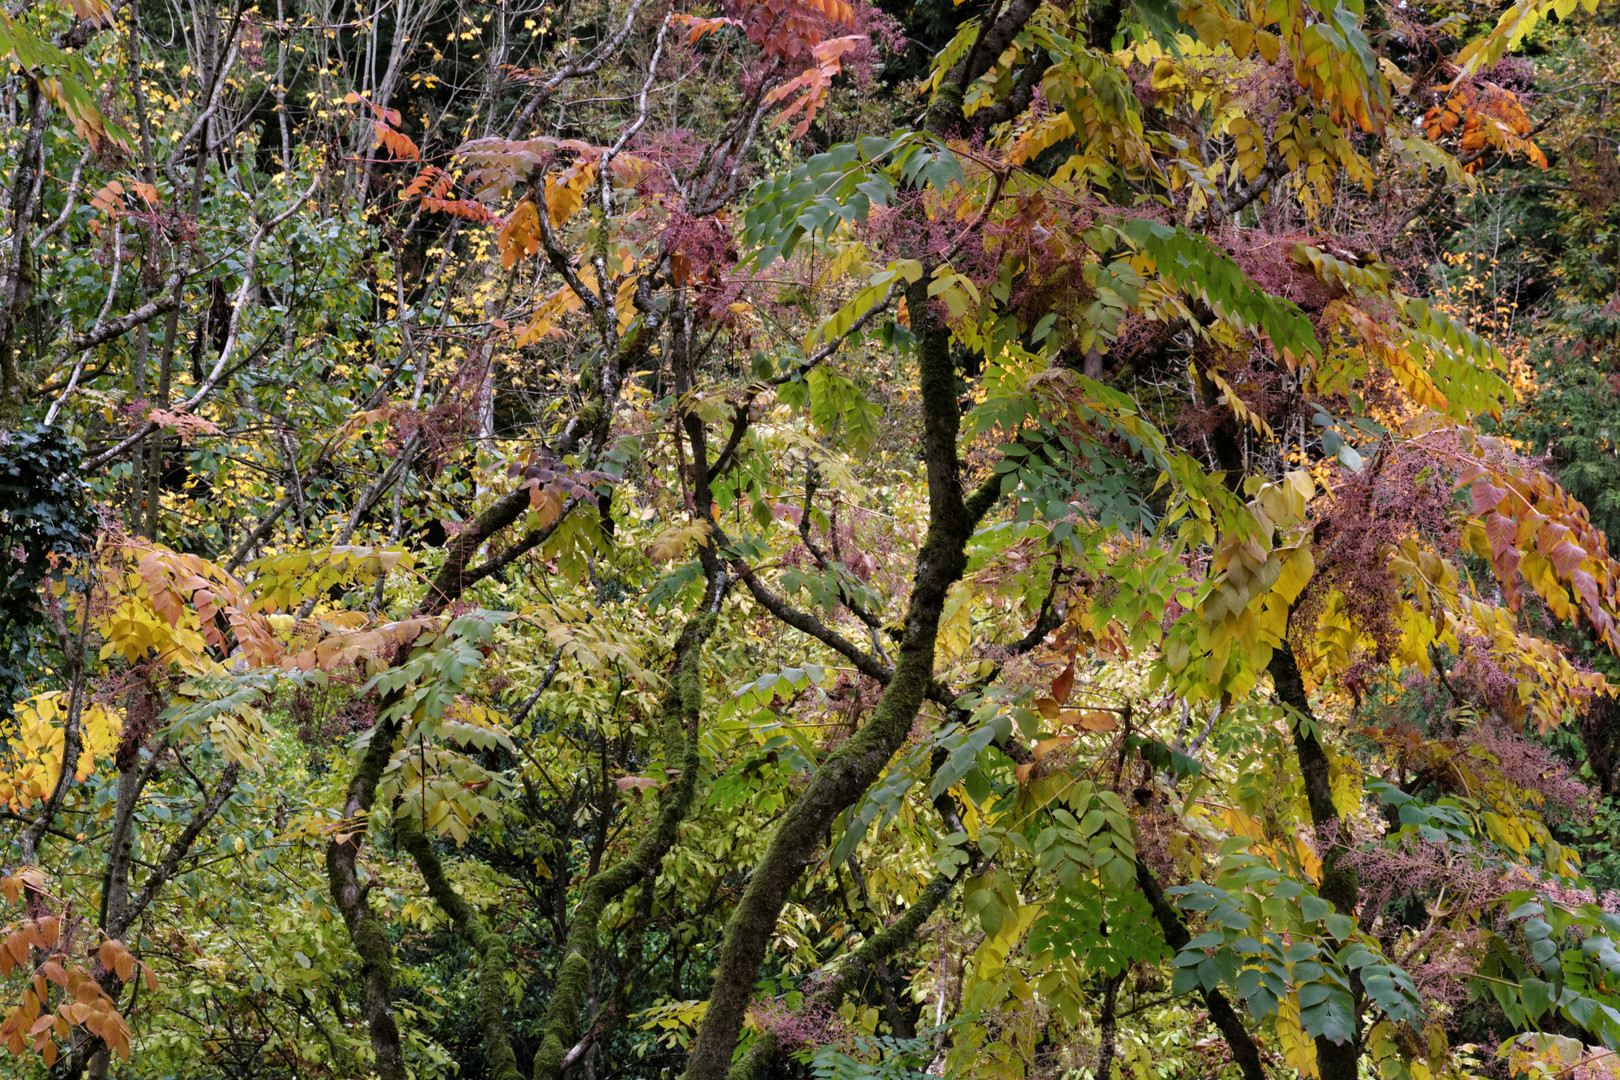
x: 1091, y: 720
x: 1047, y: 746
x: 1097, y: 720
x: 1063, y: 684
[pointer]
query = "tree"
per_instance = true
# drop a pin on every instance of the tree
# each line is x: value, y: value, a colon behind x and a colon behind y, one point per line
x: 835, y: 588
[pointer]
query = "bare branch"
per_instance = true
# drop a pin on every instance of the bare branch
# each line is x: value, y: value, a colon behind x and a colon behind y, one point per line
x: 242, y: 293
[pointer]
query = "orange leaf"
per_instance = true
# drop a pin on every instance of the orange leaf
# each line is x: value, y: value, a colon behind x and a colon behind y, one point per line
x: 1063, y: 683
x: 701, y: 27
x: 1047, y: 746
x: 1094, y: 720
x: 1099, y: 721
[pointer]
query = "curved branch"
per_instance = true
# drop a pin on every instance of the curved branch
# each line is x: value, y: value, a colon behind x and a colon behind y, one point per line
x: 493, y: 957
x: 1221, y: 1013
x: 857, y: 763
x: 806, y: 623
x: 873, y: 951
x: 682, y: 707
x: 177, y: 850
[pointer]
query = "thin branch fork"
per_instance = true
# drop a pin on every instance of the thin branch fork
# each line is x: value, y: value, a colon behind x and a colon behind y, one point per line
x: 248, y: 276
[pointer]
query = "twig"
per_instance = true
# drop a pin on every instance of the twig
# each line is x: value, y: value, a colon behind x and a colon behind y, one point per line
x: 218, y: 372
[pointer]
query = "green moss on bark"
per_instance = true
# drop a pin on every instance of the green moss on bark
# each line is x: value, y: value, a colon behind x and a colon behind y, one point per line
x: 365, y: 929
x: 881, y: 946
x: 682, y: 705
x: 493, y: 957
x: 857, y: 764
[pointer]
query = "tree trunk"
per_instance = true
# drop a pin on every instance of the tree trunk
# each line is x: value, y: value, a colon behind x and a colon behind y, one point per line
x: 855, y: 766
x: 1340, y: 882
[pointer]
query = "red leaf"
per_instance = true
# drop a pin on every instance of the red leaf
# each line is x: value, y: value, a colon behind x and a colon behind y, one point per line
x: 1063, y: 684
x: 1506, y: 565
x: 1550, y: 536
x: 1586, y: 586
x: 1500, y: 530
x: 1486, y: 495
x: 1566, y: 557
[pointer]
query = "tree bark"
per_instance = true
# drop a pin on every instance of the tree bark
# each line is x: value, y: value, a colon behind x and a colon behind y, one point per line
x: 1108, y: 1026
x: 683, y: 704
x: 856, y: 765
x: 1340, y: 883
x: 1221, y: 1013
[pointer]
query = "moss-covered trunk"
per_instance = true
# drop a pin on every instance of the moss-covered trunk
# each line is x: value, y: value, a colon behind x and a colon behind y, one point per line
x: 343, y: 851
x: 682, y: 711
x: 845, y: 776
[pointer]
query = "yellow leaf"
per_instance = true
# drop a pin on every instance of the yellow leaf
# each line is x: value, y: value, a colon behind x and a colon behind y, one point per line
x: 1298, y: 1049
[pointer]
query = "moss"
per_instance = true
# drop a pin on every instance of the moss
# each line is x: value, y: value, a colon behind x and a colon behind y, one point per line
x: 681, y: 707
x: 873, y: 951
x: 632, y: 342
x: 945, y: 113
x: 493, y: 957
x: 763, y: 1051
x: 856, y: 765
x: 365, y: 929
